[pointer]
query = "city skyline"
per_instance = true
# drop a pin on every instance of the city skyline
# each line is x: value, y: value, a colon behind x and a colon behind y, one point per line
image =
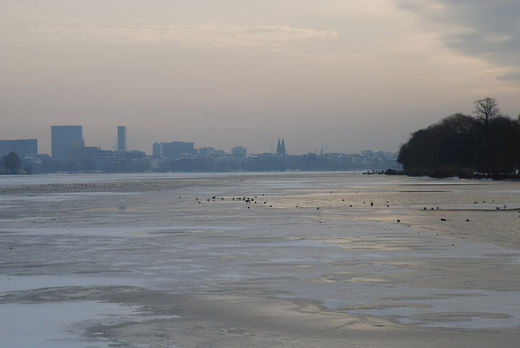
x: 344, y: 76
x: 70, y: 154
x: 271, y: 146
x: 64, y: 136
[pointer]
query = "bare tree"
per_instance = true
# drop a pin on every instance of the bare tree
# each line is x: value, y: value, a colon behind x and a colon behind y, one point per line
x: 486, y: 110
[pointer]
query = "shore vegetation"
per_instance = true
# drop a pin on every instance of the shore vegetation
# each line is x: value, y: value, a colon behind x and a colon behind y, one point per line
x: 483, y: 145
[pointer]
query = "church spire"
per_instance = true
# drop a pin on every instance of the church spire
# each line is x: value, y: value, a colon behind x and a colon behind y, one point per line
x: 280, y: 148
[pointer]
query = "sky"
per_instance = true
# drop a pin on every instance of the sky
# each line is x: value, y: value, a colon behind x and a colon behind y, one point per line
x: 342, y: 76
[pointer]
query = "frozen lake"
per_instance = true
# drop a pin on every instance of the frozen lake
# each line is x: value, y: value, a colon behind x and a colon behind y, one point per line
x: 73, y: 244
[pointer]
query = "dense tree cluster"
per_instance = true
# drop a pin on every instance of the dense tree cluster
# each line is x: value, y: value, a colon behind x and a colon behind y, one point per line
x: 10, y: 164
x: 486, y: 144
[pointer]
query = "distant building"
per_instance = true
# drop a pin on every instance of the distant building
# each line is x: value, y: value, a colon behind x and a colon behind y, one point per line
x: 132, y: 155
x: 206, y: 151
x: 121, y: 138
x: 65, y: 141
x: 156, y: 150
x: 280, y: 148
x: 239, y: 151
x: 93, y: 158
x: 22, y: 147
x: 174, y: 149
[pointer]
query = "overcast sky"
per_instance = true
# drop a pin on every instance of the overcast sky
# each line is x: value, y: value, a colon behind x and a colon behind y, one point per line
x: 343, y: 75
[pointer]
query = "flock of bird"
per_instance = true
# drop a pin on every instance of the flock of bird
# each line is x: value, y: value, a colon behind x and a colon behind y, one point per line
x: 254, y: 200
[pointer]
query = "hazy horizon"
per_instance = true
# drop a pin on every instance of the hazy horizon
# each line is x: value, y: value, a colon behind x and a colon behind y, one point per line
x: 340, y: 76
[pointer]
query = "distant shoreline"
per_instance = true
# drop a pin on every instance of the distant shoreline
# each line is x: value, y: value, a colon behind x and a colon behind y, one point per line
x: 438, y: 175
x: 445, y: 175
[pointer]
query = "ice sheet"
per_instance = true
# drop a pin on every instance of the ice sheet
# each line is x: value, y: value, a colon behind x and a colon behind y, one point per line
x: 355, y: 260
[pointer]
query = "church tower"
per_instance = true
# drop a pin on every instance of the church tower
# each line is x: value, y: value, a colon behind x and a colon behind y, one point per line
x: 280, y: 148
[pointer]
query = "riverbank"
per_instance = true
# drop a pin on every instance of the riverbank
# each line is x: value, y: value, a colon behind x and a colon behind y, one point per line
x: 442, y: 173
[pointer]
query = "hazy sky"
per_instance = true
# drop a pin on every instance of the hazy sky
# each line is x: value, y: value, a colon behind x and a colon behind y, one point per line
x: 343, y: 75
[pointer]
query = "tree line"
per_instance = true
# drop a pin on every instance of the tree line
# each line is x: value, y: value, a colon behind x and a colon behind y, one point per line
x: 10, y: 164
x: 486, y: 144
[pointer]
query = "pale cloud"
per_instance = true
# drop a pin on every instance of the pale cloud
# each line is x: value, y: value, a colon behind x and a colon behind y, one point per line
x: 359, y: 8
x: 184, y: 35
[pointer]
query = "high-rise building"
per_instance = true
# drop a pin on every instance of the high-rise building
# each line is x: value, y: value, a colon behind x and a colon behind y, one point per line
x: 22, y: 147
x: 156, y: 150
x: 121, y: 138
x: 65, y: 141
